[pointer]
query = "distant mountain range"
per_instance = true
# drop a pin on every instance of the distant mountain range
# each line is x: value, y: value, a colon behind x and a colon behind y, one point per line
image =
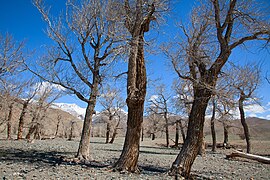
x: 73, y: 109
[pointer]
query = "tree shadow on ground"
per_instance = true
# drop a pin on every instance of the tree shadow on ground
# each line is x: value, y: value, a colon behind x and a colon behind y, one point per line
x: 43, y: 158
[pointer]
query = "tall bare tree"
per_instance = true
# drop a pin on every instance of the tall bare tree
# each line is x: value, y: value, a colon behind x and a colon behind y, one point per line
x: 138, y: 16
x: 246, y: 83
x: 87, y: 38
x: 217, y: 28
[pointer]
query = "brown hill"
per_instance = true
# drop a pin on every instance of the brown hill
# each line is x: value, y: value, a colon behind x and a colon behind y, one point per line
x: 53, y: 118
x: 259, y: 128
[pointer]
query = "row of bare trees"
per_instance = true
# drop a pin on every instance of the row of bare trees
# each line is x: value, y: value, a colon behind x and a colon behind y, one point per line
x: 95, y: 33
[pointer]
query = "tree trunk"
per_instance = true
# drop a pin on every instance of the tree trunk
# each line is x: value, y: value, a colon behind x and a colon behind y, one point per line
x: 136, y: 90
x: 71, y: 131
x: 182, y: 131
x: 142, y: 134
x: 129, y: 157
x: 226, y: 135
x: 213, y: 131
x: 21, y: 120
x: 115, y: 131
x: 32, y: 129
x: 167, y: 130
x: 153, y: 136
x: 176, y: 134
x: 57, y: 126
x: 244, y: 123
x: 84, y: 146
x: 108, y: 129
x: 182, y: 164
x: 9, y: 121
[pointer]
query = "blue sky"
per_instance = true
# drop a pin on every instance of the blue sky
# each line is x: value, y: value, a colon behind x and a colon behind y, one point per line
x: 21, y: 19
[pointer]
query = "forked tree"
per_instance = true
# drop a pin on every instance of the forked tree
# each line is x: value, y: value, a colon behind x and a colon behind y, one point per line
x: 245, y: 84
x: 217, y: 27
x: 87, y: 38
x: 138, y: 16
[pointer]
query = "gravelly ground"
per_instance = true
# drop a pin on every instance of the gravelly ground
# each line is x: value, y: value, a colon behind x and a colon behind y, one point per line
x: 42, y: 160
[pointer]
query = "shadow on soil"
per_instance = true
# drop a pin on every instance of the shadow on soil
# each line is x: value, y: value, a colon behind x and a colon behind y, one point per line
x: 53, y: 158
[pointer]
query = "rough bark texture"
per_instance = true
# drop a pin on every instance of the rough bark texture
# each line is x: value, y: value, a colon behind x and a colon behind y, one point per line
x: 136, y: 84
x: 244, y: 123
x: 135, y: 102
x: 182, y: 164
x: 129, y: 157
x: 213, y: 131
x: 84, y: 146
x: 21, y: 121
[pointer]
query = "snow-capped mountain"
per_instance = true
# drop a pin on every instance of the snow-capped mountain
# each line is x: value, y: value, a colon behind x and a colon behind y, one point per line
x: 73, y: 109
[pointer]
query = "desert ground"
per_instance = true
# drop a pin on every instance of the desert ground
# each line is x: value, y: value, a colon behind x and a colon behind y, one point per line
x: 43, y: 159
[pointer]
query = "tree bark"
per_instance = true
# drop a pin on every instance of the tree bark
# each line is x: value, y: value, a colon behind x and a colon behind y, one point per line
x: 21, y: 120
x: 244, y: 123
x: 182, y: 131
x: 115, y: 131
x: 136, y: 90
x: 249, y: 156
x: 108, y: 129
x: 71, y: 131
x: 182, y: 164
x: 213, y: 131
x: 9, y: 121
x: 176, y: 134
x: 84, y: 146
x: 167, y: 130
x: 129, y: 157
x: 226, y: 135
x: 57, y: 126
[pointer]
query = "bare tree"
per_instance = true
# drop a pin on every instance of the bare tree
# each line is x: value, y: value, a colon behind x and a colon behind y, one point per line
x: 159, y: 104
x: 138, y: 16
x: 87, y: 40
x: 45, y: 96
x: 25, y: 99
x: 112, y: 104
x: 11, y: 55
x: 217, y: 28
x: 11, y: 90
x: 246, y: 83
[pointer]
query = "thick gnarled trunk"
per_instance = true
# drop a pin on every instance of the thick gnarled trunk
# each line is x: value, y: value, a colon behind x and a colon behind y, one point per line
x: 136, y: 90
x: 129, y: 157
x: 194, y: 139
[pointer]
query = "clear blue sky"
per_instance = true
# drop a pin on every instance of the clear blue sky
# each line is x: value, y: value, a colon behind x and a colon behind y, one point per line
x: 21, y: 19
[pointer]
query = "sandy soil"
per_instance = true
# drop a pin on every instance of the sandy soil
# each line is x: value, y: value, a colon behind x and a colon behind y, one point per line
x: 43, y: 160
